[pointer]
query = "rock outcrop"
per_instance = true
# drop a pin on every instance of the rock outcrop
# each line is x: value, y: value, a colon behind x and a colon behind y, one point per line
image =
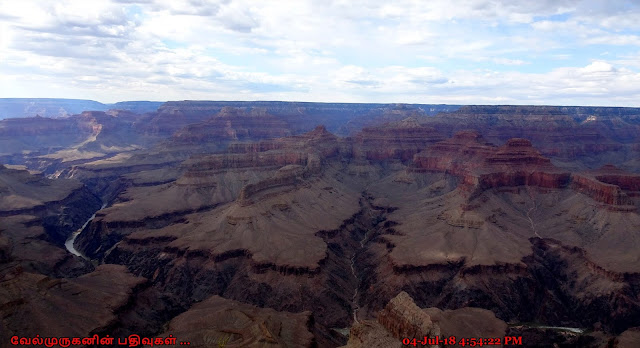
x: 483, y: 166
x: 403, y: 319
x: 609, y: 185
x: 400, y: 319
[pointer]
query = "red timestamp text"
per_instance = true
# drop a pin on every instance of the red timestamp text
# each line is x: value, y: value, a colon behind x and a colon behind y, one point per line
x: 463, y: 341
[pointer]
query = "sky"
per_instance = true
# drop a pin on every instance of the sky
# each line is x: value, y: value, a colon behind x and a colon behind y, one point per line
x: 553, y: 52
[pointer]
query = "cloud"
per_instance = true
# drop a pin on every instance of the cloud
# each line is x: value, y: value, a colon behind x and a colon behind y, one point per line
x: 476, y: 51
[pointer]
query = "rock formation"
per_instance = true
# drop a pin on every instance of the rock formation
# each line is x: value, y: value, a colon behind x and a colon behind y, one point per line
x: 400, y: 140
x: 401, y: 319
x: 483, y: 166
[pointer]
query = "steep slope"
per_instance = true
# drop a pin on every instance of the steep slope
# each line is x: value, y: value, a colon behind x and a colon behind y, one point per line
x: 40, y: 280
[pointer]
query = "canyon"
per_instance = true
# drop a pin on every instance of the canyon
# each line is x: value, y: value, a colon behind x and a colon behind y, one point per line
x: 281, y: 224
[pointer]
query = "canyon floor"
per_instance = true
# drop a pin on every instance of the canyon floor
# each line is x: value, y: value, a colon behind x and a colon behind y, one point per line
x: 273, y: 224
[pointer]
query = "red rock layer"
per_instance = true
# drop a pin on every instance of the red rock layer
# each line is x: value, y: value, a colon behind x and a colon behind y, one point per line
x: 485, y: 166
x: 517, y: 163
x: 399, y: 140
x: 608, y: 185
x: 610, y: 174
x: 465, y: 151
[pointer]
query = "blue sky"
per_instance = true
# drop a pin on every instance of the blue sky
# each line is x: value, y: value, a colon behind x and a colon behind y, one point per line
x: 559, y: 52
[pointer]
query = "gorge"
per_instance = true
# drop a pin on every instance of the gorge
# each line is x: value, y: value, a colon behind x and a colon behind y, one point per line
x: 266, y: 224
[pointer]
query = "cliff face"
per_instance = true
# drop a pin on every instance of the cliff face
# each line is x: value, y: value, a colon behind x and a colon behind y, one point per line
x: 400, y: 141
x: 245, y: 176
x: 32, y: 134
x: 61, y: 206
x: 54, y: 145
x: 517, y: 163
x: 600, y: 191
x: 484, y: 166
x: 402, y: 318
x: 609, y: 185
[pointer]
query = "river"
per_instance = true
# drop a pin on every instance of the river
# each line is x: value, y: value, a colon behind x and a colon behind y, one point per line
x: 72, y: 238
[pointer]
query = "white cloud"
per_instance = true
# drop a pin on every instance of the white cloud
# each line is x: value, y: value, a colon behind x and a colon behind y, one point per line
x: 476, y: 51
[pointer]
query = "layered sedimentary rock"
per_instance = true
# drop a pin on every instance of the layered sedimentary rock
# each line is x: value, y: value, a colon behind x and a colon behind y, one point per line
x: 60, y: 206
x: 300, y: 116
x: 268, y: 222
x: 483, y: 166
x: 523, y: 165
x: 53, y: 145
x: 400, y: 140
x: 609, y: 185
x: 391, y: 114
x: 401, y: 319
x: 576, y: 136
x: 31, y: 134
